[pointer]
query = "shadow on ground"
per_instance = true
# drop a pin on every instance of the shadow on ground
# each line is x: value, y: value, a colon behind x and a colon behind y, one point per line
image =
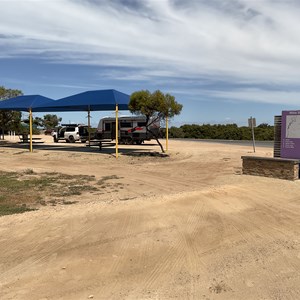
x: 107, y: 148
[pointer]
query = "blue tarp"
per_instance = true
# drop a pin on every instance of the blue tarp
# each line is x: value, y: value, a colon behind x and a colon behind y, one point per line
x: 24, y: 103
x: 88, y: 101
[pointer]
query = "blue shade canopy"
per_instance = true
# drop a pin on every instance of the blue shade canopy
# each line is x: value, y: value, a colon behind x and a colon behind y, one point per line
x: 24, y: 103
x: 90, y: 100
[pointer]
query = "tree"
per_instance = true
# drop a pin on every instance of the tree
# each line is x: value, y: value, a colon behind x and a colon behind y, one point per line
x: 47, y: 122
x: 155, y: 106
x: 36, y: 122
x: 50, y: 121
x: 9, y: 120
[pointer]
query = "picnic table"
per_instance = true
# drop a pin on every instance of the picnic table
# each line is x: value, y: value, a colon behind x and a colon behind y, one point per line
x: 98, y: 143
x: 24, y: 138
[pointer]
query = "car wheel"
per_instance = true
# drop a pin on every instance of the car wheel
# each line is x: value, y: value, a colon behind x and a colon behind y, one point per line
x: 127, y: 141
x: 71, y: 139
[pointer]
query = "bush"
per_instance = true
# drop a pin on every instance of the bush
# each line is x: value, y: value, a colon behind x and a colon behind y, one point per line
x: 263, y: 132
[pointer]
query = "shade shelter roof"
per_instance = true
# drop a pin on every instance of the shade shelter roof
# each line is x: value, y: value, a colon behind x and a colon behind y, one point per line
x: 25, y: 103
x: 89, y: 101
x: 86, y: 101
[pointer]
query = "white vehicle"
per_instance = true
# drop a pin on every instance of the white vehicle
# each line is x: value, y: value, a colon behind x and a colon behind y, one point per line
x: 132, y: 129
x: 71, y: 133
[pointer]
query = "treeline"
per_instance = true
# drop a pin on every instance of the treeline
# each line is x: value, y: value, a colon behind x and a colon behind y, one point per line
x: 263, y: 132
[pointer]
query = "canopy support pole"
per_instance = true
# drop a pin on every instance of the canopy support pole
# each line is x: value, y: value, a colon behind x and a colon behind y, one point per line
x: 30, y: 129
x: 117, y: 131
x: 89, y: 125
x: 167, y: 134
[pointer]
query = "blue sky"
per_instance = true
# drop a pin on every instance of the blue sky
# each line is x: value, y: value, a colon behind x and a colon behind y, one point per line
x: 224, y: 60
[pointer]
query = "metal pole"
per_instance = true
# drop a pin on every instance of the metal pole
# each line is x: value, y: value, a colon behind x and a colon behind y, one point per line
x: 30, y: 129
x: 117, y: 129
x: 89, y: 125
x: 253, y: 137
x: 167, y: 134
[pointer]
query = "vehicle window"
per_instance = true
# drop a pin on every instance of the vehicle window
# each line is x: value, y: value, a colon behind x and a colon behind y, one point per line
x: 141, y: 124
x: 83, y: 130
x: 70, y: 129
x: 107, y: 126
x: 125, y: 124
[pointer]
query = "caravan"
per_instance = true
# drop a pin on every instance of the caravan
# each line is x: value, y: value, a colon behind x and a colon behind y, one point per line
x: 131, y: 129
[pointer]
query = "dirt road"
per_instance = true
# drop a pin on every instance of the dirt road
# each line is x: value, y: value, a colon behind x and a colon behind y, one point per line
x: 188, y: 226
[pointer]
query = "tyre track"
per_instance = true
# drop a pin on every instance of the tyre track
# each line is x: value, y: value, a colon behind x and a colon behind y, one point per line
x: 193, y: 258
x: 185, y: 251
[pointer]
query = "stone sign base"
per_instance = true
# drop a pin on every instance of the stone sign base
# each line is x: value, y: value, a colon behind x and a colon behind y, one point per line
x: 282, y: 168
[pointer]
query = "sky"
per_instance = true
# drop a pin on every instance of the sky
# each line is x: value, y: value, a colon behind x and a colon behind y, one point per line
x: 223, y: 60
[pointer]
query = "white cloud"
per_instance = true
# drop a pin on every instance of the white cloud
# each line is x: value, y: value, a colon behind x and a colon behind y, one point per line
x: 259, y: 95
x: 239, y: 41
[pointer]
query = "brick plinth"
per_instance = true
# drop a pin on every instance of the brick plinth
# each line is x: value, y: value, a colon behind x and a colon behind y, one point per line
x: 271, y: 167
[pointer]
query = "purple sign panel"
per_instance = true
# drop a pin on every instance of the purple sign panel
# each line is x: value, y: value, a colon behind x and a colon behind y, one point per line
x: 290, y: 134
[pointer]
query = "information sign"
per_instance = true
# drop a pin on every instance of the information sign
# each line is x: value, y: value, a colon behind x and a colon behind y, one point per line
x: 252, y: 122
x: 290, y: 134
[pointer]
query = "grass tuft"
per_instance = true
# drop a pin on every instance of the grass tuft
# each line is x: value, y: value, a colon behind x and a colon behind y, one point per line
x: 19, y: 188
x: 10, y: 209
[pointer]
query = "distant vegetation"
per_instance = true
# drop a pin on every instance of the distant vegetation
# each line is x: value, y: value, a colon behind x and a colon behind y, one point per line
x: 9, y: 120
x: 263, y: 132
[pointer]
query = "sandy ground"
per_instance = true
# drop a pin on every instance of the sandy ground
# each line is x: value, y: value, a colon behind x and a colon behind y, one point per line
x: 187, y: 226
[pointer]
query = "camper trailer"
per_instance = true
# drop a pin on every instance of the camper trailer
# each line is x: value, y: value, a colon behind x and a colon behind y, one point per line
x: 131, y: 129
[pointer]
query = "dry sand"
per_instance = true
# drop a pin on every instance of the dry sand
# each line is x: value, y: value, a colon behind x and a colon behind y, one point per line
x: 188, y: 226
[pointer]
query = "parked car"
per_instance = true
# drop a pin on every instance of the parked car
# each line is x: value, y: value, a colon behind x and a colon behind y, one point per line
x: 71, y: 133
